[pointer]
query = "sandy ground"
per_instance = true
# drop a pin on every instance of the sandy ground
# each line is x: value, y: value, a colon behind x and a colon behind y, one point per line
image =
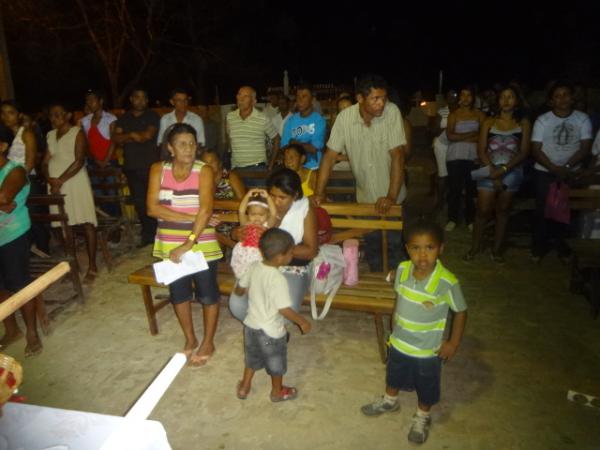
x: 528, y: 341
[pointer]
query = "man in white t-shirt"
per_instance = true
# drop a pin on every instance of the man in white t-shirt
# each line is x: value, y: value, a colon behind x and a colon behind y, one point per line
x: 560, y: 140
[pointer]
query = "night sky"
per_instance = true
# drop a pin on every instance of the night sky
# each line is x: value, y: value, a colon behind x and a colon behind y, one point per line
x: 243, y: 42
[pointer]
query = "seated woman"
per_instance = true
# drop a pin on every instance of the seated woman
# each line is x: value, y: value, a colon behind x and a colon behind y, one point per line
x: 14, y: 249
x: 294, y: 157
x: 228, y: 184
x: 64, y: 169
x: 503, y: 146
x: 180, y: 197
x: 296, y: 216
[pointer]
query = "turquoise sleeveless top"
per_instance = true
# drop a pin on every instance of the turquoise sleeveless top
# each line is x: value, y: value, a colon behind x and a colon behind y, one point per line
x: 16, y: 223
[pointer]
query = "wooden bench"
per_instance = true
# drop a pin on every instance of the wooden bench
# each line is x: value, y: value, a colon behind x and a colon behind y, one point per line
x: 107, y: 186
x: 585, y: 264
x: 331, y: 189
x: 373, y: 294
x: 40, y: 265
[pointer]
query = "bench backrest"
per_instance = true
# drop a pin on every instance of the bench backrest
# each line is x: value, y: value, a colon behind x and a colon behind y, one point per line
x: 349, y: 220
x: 107, y: 186
x: 330, y: 189
x: 584, y: 199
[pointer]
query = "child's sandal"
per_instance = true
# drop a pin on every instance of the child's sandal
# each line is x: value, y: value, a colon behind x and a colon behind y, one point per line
x: 287, y: 393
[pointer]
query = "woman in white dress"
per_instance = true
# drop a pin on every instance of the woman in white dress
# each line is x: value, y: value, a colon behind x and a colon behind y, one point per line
x: 64, y: 168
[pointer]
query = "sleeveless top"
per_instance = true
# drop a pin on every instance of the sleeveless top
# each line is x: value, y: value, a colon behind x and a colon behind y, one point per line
x: 503, y: 145
x: 460, y: 149
x: 224, y: 191
x: 306, y: 190
x: 16, y: 152
x: 16, y: 223
x: 182, y: 197
x: 293, y: 223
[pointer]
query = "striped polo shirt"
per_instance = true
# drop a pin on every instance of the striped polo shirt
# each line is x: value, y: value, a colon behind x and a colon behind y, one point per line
x: 182, y: 197
x: 368, y: 149
x: 422, y: 309
x: 248, y: 137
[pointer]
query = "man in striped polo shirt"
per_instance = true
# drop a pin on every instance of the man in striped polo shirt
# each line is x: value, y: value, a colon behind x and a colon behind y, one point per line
x: 425, y: 290
x: 248, y: 130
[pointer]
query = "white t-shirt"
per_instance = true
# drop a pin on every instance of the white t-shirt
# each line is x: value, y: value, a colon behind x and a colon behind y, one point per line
x: 561, y: 136
x: 267, y: 294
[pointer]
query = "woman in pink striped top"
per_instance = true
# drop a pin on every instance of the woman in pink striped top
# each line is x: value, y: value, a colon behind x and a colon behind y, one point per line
x: 180, y: 197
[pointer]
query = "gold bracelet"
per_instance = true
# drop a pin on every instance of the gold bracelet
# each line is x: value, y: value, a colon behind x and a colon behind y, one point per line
x: 192, y: 238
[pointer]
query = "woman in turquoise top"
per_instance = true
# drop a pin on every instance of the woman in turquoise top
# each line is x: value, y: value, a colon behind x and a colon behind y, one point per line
x: 14, y: 249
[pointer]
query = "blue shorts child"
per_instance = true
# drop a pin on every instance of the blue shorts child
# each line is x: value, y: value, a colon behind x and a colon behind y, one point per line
x: 202, y: 286
x: 408, y: 373
x: 511, y: 181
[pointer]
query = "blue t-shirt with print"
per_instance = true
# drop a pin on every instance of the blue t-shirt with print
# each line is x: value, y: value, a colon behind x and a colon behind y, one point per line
x: 307, y: 130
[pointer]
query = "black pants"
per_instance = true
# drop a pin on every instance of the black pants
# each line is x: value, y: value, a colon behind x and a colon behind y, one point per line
x: 545, y: 230
x: 39, y: 232
x: 137, y: 179
x: 459, y: 178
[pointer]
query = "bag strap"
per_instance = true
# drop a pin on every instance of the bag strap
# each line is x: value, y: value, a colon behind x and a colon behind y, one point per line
x: 313, y: 302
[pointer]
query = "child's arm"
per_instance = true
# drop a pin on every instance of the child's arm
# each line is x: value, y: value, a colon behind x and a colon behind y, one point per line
x: 449, y: 347
x: 293, y: 316
x: 243, y: 206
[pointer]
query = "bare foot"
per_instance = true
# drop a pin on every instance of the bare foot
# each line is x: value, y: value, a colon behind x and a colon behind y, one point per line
x: 8, y: 339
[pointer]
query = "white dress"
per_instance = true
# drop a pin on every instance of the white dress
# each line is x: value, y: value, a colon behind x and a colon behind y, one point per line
x: 79, y: 200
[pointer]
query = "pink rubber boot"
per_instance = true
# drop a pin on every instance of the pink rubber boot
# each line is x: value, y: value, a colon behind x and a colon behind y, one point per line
x: 350, y: 251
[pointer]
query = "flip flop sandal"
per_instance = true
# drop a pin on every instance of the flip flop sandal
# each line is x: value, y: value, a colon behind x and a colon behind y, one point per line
x: 239, y: 392
x: 287, y: 393
x: 200, y: 361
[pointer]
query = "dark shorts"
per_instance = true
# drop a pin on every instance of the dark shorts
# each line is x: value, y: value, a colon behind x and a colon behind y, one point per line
x: 265, y: 352
x: 14, y: 264
x: 415, y: 374
x: 201, y: 286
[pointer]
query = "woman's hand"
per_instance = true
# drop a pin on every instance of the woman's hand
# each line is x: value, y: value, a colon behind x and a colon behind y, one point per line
x: 214, y: 220
x: 176, y: 254
x: 55, y: 185
x: 496, y: 172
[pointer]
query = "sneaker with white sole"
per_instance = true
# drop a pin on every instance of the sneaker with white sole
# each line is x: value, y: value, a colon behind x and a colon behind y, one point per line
x: 419, y: 429
x: 379, y: 407
x: 450, y: 226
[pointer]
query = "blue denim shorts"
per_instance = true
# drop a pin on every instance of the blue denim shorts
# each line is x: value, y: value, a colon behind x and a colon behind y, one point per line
x: 263, y: 351
x: 201, y: 286
x: 407, y: 373
x: 511, y: 181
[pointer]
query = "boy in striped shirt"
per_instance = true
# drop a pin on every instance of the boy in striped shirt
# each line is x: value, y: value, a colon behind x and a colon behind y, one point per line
x: 425, y: 291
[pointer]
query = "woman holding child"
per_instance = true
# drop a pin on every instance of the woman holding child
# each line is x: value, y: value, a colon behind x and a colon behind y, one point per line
x: 180, y: 197
x: 295, y: 215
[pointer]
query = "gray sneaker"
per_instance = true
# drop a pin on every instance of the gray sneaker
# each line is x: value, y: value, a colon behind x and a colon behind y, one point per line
x: 379, y: 407
x: 420, y: 429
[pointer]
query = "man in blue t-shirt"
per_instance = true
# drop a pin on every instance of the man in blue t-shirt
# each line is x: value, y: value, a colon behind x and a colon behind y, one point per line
x: 306, y: 127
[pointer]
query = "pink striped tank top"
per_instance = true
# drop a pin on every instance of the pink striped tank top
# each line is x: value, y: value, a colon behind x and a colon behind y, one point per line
x: 183, y: 197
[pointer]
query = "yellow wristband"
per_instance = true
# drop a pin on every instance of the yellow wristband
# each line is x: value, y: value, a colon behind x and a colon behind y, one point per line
x: 192, y: 237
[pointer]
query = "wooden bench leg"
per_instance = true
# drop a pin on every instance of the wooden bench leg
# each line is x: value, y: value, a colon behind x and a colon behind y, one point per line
x: 380, y: 337
x: 150, y: 311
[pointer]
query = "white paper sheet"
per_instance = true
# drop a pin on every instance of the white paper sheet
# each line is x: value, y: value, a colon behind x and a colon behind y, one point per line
x: 191, y: 262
